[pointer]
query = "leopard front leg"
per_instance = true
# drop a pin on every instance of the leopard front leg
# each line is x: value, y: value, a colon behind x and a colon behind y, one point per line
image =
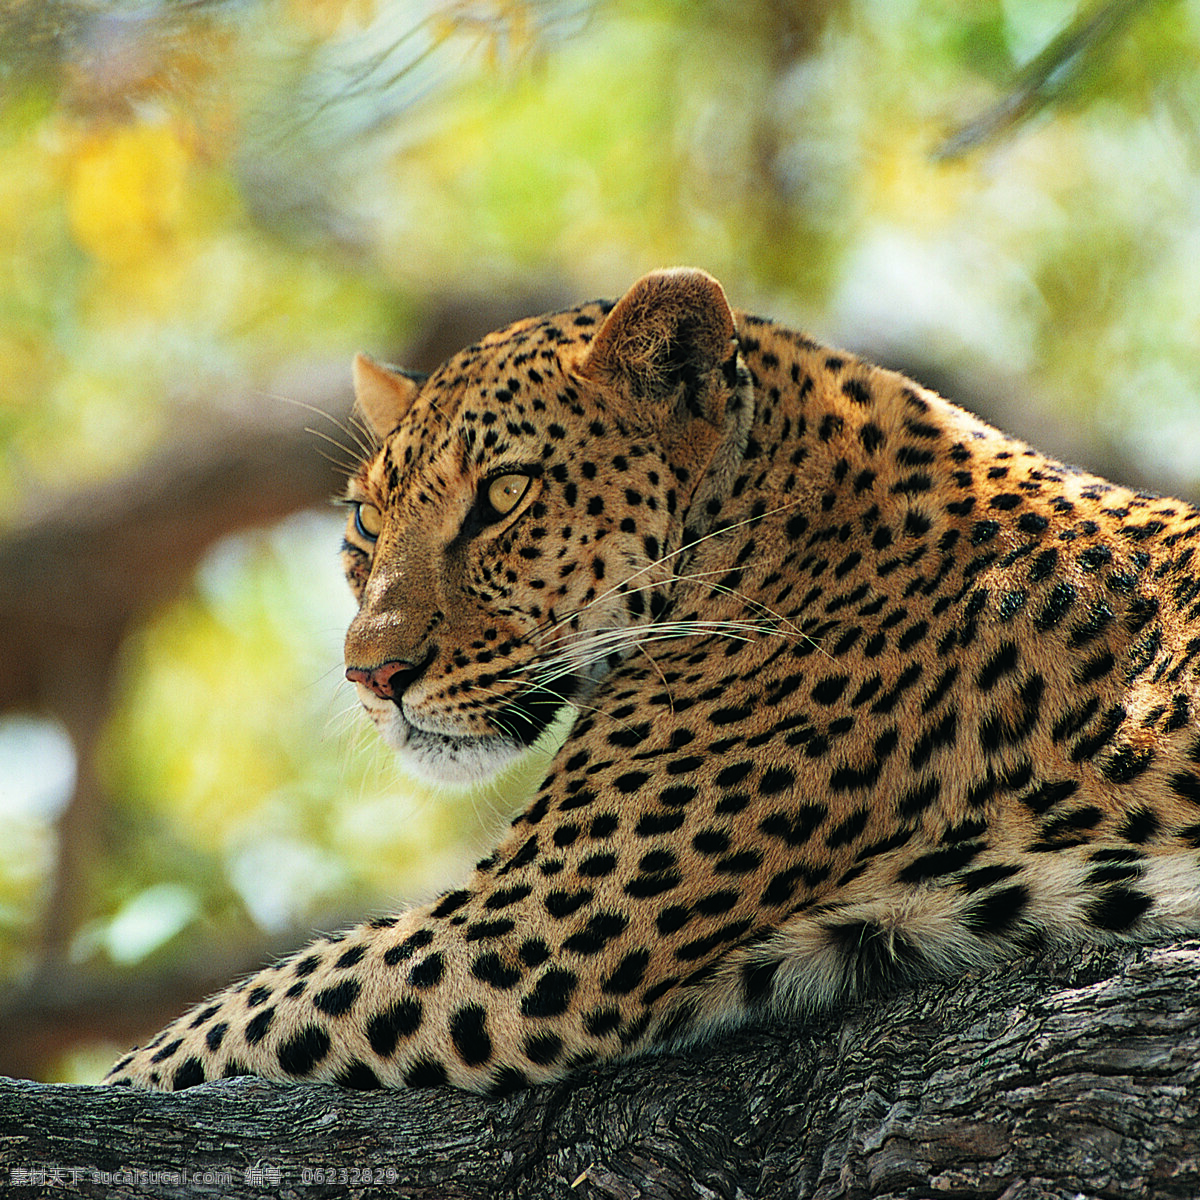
x: 548, y: 958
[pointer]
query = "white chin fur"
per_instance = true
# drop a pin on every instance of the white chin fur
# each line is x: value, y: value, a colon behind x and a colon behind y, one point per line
x: 439, y: 757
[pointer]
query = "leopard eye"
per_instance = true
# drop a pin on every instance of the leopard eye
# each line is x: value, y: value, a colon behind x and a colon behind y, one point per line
x: 368, y: 521
x: 504, y: 493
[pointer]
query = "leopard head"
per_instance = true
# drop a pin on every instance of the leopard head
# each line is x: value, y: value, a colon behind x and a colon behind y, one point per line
x: 527, y: 512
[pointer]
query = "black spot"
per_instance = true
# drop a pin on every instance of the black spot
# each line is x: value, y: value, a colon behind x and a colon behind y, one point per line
x: 628, y: 973
x: 350, y: 958
x: 776, y: 779
x: 678, y: 795
x: 1127, y: 764
x: 426, y: 1072
x: 188, y: 1074
x: 673, y: 918
x: 165, y: 1052
x: 996, y: 912
x: 602, y: 1021
x: 495, y: 972
x: 731, y: 776
x: 1095, y: 557
x: 468, y: 1031
x: 653, y: 824
x: 998, y: 665
x: 829, y: 690
x: 551, y: 994
x: 717, y: 903
x: 875, y: 957
x: 507, y: 1081
x: 916, y: 799
x: 597, y: 866
x: 1118, y: 908
x: 336, y: 1001
x: 534, y: 952
x: 1100, y: 617
x: 845, y: 831
x: 794, y: 827
x: 884, y: 845
x: 730, y: 716
x: 1114, y: 871
x: 940, y: 862
x: 661, y: 860
x: 402, y: 1020
x: 216, y: 1035
x: 1088, y: 747
x: 1140, y: 826
x: 741, y: 863
x: 796, y: 526
x: 503, y: 897
x: 629, y: 736
x: 301, y: 1052
x: 428, y: 972
x: 1186, y: 786
x: 482, y: 931
x: 856, y: 391
x: 256, y: 1028
x: 1094, y: 668
x: 629, y: 782
x: 941, y: 735
x: 1010, y: 604
x: 561, y: 903
x: 1058, y: 604
x: 981, y: 877
x: 830, y: 425
x: 604, y: 826
x: 871, y: 436
x: 565, y: 835
x: 596, y: 934
x: 451, y: 902
x: 1046, y: 795
x: 359, y: 1076
x: 703, y: 946
x: 758, y: 979
x: 707, y: 841
x: 543, y: 1048
x: 203, y: 1015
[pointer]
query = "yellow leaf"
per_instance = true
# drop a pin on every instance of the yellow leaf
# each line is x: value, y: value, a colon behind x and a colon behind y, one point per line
x: 125, y: 191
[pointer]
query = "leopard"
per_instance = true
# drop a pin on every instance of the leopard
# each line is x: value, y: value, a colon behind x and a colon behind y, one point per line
x: 859, y: 693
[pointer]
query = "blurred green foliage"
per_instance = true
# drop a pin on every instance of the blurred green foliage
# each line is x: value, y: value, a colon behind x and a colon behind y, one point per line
x: 194, y: 199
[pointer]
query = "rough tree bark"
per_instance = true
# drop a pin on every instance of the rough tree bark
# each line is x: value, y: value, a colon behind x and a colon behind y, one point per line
x: 1076, y: 1074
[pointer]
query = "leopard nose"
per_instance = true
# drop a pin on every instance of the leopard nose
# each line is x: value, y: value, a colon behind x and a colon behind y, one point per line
x: 388, y: 681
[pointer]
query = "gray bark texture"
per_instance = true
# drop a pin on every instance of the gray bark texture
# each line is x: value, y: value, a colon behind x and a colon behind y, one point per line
x: 1073, y: 1074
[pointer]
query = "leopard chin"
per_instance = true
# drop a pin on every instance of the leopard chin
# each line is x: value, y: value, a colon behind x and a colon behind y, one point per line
x: 458, y: 761
x: 464, y: 760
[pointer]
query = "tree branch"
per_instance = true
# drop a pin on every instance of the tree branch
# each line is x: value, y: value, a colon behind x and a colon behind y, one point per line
x: 1075, y: 1074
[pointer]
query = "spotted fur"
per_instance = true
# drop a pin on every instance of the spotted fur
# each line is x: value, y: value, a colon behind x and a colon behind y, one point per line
x: 864, y: 690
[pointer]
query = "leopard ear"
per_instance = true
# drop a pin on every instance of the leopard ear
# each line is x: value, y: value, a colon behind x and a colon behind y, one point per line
x: 669, y: 342
x: 382, y: 396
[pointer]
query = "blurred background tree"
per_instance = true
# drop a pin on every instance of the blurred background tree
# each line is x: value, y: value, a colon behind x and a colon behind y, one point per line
x: 207, y: 207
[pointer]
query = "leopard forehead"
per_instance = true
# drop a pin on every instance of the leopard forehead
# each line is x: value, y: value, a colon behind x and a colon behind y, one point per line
x: 517, y: 382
